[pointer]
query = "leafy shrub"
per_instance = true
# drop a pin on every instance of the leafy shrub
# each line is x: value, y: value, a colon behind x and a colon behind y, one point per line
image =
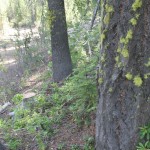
x: 13, y: 143
x: 89, y: 143
x: 17, y: 99
x: 79, y: 93
x: 144, y: 143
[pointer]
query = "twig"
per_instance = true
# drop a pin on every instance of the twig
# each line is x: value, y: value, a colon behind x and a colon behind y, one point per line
x: 94, y: 14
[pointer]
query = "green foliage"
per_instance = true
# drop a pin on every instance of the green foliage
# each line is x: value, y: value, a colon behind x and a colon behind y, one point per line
x: 41, y: 145
x: 78, y: 10
x: 77, y: 96
x: 15, y: 12
x: 13, y: 143
x: 144, y: 143
x: 24, y: 13
x: 75, y: 147
x: 81, y: 41
x: 32, y: 52
x: 61, y: 146
x: 29, y: 118
x: 89, y: 143
x: 80, y: 91
x: 3, y: 68
x: 17, y: 99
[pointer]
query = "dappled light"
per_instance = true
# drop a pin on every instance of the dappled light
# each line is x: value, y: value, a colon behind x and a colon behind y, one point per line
x: 7, y: 62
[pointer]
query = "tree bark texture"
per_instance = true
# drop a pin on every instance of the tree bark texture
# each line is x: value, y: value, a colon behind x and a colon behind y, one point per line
x: 62, y: 65
x: 124, y: 74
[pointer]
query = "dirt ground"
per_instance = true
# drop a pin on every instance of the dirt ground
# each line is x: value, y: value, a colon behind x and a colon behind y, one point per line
x: 11, y: 68
x: 10, y: 72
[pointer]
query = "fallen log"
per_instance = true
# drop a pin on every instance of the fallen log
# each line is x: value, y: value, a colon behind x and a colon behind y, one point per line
x: 3, y: 107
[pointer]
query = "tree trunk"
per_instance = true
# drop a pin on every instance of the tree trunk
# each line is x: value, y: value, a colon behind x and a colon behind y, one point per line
x: 33, y: 12
x: 62, y: 65
x: 124, y: 83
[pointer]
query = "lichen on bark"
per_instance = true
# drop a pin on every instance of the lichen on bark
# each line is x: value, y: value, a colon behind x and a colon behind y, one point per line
x: 125, y: 87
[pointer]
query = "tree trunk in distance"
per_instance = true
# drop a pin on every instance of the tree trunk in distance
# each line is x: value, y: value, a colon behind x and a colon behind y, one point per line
x: 61, y: 59
x: 124, y: 74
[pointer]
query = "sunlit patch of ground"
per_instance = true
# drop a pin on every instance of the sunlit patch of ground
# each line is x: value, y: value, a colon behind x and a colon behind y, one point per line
x: 11, y: 73
x: 7, y: 62
x: 7, y: 49
x: 8, y: 33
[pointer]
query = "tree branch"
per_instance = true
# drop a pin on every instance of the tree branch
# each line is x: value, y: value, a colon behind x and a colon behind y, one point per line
x: 94, y: 14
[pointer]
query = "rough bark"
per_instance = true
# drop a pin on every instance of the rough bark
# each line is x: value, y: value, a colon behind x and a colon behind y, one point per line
x: 123, y: 105
x: 62, y: 65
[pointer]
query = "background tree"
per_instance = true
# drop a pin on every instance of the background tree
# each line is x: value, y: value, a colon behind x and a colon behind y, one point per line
x: 124, y: 81
x: 62, y: 65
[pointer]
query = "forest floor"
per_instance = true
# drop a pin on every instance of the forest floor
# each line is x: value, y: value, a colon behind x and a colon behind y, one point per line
x: 9, y: 68
x: 11, y: 71
x: 11, y: 75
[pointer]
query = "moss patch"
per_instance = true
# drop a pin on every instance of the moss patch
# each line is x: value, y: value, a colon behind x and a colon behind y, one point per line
x: 137, y: 4
x: 125, y: 53
x: 109, y: 8
x: 137, y: 81
x: 133, y: 21
x: 129, y: 76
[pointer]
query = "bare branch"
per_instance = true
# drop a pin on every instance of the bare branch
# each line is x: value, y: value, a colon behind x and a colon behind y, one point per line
x: 94, y: 14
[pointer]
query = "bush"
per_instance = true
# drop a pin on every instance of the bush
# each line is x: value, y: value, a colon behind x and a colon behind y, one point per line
x: 144, y: 143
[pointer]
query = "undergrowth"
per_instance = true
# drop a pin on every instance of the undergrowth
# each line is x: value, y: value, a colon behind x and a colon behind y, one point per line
x: 37, y: 117
x: 144, y: 143
x: 76, y: 97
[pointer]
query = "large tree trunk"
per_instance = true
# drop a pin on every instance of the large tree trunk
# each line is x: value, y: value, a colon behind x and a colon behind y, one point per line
x: 124, y: 75
x: 62, y: 65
